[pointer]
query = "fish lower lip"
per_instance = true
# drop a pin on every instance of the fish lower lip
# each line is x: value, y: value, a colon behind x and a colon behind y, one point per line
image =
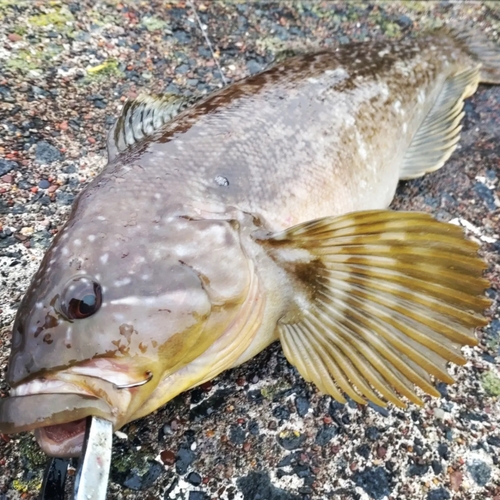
x: 25, y: 413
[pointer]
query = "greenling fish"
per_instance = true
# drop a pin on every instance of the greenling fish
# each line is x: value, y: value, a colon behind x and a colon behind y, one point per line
x: 260, y: 215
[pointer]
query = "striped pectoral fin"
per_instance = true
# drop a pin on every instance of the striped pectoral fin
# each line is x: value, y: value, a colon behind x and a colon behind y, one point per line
x: 439, y: 133
x: 385, y: 300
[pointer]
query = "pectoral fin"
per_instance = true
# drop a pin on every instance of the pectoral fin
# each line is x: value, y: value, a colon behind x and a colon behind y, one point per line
x: 382, y: 300
x: 141, y: 117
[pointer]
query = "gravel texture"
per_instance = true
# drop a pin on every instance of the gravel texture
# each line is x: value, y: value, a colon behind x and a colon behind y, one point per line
x: 259, y: 431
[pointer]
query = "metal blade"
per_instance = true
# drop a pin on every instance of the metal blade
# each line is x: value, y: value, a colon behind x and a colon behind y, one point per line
x: 91, y: 480
x: 54, y: 479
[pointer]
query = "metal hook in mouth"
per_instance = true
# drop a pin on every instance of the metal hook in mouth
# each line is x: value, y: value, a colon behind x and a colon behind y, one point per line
x: 149, y: 376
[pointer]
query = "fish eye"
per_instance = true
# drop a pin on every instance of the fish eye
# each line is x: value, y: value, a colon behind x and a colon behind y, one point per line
x: 82, y: 297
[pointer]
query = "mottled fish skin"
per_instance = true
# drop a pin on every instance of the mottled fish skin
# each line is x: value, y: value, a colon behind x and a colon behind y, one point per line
x: 166, y: 229
x: 335, y: 123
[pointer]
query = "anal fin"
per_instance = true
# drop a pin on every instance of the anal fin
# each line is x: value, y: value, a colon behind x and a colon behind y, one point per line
x: 439, y: 133
x: 381, y: 302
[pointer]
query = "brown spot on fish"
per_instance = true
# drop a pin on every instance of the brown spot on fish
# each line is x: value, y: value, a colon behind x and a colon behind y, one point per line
x: 50, y: 322
x: 127, y: 330
x: 122, y: 348
x: 54, y: 300
x: 76, y: 263
x: 47, y: 338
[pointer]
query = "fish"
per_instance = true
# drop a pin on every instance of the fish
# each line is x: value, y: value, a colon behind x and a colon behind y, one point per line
x: 256, y: 214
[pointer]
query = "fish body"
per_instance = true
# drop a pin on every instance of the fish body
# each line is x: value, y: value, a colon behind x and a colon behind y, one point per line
x: 254, y: 215
x: 331, y: 122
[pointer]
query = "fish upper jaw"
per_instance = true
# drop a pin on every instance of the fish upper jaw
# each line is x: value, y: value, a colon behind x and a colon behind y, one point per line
x: 47, y: 386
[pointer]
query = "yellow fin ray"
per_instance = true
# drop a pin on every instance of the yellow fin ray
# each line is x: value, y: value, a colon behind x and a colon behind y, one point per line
x: 385, y: 300
x: 361, y: 358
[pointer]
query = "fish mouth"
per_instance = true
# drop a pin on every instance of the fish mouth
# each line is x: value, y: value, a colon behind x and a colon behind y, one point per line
x: 59, y: 419
x: 62, y: 440
x: 56, y: 407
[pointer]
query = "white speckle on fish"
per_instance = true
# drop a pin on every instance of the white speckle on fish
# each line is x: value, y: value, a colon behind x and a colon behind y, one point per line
x: 129, y: 301
x: 363, y: 153
x: 122, y: 282
x: 69, y: 331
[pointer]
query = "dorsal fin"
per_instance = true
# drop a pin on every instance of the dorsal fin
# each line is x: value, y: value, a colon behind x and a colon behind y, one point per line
x: 141, y: 117
x: 438, y: 135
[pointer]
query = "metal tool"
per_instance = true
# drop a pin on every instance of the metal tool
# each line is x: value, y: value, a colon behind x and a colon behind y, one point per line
x: 54, y: 479
x: 91, y: 480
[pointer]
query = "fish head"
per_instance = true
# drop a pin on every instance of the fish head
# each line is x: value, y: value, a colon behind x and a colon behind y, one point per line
x: 112, y: 312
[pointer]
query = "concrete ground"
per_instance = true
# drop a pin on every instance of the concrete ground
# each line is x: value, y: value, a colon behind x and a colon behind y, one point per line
x: 260, y: 431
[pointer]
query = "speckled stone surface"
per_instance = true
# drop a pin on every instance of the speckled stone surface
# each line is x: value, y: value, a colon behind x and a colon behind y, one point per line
x: 260, y: 431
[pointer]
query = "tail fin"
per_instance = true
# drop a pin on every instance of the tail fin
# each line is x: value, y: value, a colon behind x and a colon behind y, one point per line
x: 482, y: 50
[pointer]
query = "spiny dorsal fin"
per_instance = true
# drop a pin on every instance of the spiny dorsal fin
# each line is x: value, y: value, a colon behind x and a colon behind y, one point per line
x: 439, y: 133
x: 141, y: 117
x: 382, y: 301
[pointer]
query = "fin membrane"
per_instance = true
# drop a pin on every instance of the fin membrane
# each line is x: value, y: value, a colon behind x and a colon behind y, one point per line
x: 439, y: 133
x: 482, y: 50
x: 143, y: 116
x: 382, y: 301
